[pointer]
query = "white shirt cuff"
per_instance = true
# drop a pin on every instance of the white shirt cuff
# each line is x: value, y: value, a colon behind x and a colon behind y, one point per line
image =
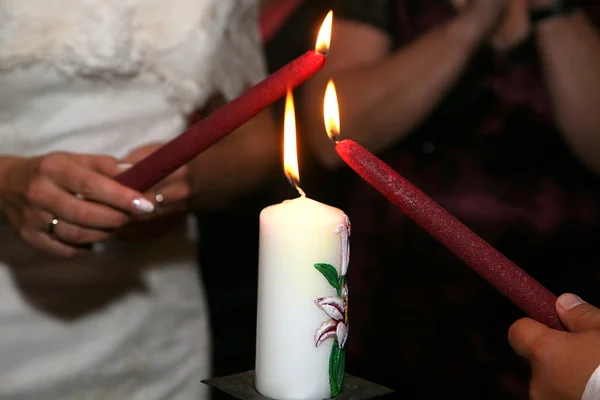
x: 592, y: 389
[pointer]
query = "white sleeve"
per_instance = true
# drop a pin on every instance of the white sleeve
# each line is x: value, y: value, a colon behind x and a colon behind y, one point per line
x: 592, y: 389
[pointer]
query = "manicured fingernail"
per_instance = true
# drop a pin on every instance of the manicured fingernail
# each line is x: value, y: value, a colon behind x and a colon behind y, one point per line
x: 142, y: 205
x: 569, y: 301
x: 124, y: 165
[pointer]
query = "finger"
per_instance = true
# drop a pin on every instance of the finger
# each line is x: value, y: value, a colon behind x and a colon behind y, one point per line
x: 576, y: 314
x: 109, y: 172
x: 93, y: 185
x: 69, y: 233
x: 175, y: 192
x: 105, y: 165
x: 42, y: 241
x: 180, y: 175
x: 524, y: 334
x: 74, y: 210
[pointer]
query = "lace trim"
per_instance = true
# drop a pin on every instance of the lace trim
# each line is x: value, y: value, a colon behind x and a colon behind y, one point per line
x: 194, y: 47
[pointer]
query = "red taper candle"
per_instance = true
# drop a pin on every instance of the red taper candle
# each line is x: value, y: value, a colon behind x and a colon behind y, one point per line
x: 513, y: 282
x: 226, y: 119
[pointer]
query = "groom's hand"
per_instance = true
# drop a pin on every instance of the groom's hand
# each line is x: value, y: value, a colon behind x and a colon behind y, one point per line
x: 561, y: 362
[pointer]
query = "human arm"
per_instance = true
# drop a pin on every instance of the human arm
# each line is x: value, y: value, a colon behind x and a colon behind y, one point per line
x: 236, y: 164
x: 383, y: 95
x: 564, y: 364
x: 569, y: 48
x: 514, y: 27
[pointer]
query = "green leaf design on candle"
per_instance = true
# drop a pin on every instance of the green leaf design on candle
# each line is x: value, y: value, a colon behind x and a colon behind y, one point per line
x: 331, y: 274
x: 337, y: 361
x: 336, y: 308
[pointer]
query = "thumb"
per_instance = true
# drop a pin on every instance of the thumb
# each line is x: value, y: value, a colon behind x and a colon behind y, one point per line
x: 576, y: 314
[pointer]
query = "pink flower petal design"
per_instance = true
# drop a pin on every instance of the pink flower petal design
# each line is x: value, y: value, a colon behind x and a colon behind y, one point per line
x: 327, y: 330
x: 344, y: 231
x: 348, y: 224
x: 333, y: 306
x: 342, y: 334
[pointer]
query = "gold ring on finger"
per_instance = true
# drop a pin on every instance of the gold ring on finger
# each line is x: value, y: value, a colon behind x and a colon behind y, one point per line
x: 52, y: 226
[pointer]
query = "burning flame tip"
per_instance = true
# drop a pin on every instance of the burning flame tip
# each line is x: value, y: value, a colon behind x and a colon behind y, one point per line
x: 290, y: 157
x: 324, y: 38
x: 331, y: 112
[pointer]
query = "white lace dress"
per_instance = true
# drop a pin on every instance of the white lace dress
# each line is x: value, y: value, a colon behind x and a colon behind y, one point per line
x: 127, y: 321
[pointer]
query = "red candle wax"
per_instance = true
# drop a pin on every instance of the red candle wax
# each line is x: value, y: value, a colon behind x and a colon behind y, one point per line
x: 518, y: 286
x: 219, y: 124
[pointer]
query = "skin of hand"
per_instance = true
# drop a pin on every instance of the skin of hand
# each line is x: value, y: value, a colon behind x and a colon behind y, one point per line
x: 487, y: 15
x: 175, y: 191
x: 561, y: 362
x: 513, y: 26
x: 76, y: 189
x: 175, y: 188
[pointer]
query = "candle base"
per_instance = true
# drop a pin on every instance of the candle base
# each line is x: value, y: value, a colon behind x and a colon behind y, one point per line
x: 241, y: 386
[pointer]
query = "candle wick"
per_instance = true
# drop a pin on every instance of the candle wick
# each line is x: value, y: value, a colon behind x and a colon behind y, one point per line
x: 296, y: 184
x: 299, y: 189
x: 334, y: 135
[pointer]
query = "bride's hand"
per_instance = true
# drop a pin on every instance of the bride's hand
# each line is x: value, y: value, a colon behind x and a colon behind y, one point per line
x: 61, y: 200
x: 171, y: 194
x: 170, y: 197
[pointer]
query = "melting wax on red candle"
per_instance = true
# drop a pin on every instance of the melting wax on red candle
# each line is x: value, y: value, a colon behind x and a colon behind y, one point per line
x: 226, y: 119
x: 518, y: 286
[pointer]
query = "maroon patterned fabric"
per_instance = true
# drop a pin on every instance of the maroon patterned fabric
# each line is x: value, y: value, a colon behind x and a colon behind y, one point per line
x: 421, y: 321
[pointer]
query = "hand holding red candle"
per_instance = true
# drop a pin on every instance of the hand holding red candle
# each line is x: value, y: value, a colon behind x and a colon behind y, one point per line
x: 219, y: 124
x: 518, y: 286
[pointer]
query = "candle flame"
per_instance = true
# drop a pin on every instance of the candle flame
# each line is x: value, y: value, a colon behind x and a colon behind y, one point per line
x: 324, y: 38
x: 290, y: 151
x: 331, y: 112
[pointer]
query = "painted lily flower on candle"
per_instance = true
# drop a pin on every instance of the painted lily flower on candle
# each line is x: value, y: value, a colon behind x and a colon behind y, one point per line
x: 344, y: 231
x: 336, y: 308
x: 337, y: 326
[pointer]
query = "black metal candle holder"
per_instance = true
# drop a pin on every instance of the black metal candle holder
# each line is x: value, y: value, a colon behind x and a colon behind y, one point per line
x: 241, y: 386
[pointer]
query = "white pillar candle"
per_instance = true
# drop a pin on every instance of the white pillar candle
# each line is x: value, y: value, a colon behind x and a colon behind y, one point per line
x: 302, y: 300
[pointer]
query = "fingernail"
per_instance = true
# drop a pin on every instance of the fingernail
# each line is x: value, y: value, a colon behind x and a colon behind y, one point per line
x: 142, y: 205
x: 124, y: 165
x: 569, y: 301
